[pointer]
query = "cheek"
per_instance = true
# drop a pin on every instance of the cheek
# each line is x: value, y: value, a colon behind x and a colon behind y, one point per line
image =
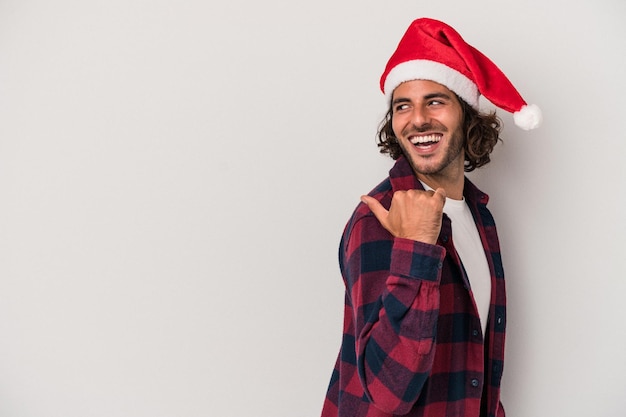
x: 459, y: 117
x: 396, y: 126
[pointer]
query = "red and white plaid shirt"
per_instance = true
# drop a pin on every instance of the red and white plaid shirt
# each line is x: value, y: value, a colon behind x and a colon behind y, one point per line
x: 412, y: 339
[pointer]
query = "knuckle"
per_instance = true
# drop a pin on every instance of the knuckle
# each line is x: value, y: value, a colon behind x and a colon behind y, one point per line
x: 399, y: 195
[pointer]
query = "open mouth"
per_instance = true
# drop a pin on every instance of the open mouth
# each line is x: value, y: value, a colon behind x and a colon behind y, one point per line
x: 425, y: 140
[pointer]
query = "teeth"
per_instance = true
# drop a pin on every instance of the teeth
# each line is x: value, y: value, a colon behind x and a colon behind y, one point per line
x: 415, y: 140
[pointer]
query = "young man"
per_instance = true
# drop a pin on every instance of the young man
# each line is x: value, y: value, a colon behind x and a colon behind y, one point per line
x: 425, y: 299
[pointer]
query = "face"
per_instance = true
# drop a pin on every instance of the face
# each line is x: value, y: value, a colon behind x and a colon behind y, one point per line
x: 427, y: 120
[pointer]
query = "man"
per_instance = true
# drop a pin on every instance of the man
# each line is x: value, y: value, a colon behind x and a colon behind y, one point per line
x: 425, y: 300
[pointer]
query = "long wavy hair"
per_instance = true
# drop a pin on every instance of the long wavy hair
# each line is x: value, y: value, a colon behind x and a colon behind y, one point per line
x: 481, y: 131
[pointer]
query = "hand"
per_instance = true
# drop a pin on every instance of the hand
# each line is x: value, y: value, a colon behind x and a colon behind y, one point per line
x: 413, y: 214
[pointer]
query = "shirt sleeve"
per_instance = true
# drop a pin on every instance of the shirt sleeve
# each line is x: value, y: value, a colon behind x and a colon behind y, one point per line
x: 393, y: 286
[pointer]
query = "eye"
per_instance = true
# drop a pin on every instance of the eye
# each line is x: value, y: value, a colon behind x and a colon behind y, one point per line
x: 400, y: 107
x: 435, y: 103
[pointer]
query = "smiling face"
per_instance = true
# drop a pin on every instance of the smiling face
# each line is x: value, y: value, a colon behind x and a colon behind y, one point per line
x: 427, y: 120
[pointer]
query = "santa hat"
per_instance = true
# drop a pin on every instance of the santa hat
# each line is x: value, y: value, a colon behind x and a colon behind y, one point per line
x: 432, y: 50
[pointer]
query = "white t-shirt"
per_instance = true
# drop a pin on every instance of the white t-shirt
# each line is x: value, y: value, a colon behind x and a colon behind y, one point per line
x: 470, y: 249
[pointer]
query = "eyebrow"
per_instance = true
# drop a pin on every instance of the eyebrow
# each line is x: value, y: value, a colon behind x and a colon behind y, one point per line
x: 437, y: 95
x: 400, y: 100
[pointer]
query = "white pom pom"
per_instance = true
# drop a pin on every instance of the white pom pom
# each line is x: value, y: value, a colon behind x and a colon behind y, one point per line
x: 529, y: 117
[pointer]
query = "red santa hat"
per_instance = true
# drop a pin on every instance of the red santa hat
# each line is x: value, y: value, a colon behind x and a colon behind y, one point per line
x: 432, y: 50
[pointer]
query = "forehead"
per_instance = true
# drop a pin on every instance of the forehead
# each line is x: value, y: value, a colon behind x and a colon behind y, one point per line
x: 421, y: 88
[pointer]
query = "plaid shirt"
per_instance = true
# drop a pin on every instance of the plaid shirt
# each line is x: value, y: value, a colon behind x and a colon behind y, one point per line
x: 412, y: 340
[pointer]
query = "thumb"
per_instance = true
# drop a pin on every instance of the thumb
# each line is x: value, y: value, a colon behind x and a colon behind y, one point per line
x: 379, y: 211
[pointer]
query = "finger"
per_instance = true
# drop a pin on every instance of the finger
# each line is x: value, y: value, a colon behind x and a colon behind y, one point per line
x: 441, y: 193
x: 379, y: 211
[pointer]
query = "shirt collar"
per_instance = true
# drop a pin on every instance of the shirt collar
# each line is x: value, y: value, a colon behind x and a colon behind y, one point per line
x: 403, y: 178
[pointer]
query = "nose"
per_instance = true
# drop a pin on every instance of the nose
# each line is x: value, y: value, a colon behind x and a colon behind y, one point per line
x: 420, y: 116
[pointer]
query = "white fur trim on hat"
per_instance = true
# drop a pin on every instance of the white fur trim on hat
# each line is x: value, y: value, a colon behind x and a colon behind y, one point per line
x: 421, y: 69
x: 528, y: 117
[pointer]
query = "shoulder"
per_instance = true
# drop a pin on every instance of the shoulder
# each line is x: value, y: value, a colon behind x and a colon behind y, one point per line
x: 363, y: 226
x: 383, y: 192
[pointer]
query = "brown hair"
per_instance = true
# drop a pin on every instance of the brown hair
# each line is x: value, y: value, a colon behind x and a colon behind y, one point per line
x: 481, y: 131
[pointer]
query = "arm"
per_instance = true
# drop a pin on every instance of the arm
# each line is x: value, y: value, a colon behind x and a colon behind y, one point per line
x: 393, y: 284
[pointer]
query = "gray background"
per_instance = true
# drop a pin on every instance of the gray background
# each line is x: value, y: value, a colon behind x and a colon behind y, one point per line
x: 175, y: 176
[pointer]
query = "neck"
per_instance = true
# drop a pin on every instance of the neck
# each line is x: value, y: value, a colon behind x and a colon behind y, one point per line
x: 454, y: 188
x: 451, y: 179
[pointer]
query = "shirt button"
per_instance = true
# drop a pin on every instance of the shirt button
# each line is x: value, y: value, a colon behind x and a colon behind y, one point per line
x: 444, y: 239
x: 499, y: 320
x: 475, y: 382
x: 474, y: 332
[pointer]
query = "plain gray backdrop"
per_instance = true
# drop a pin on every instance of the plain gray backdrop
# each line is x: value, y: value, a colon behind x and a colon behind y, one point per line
x: 175, y: 177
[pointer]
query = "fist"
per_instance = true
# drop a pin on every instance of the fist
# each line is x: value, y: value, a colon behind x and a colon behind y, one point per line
x: 413, y: 214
